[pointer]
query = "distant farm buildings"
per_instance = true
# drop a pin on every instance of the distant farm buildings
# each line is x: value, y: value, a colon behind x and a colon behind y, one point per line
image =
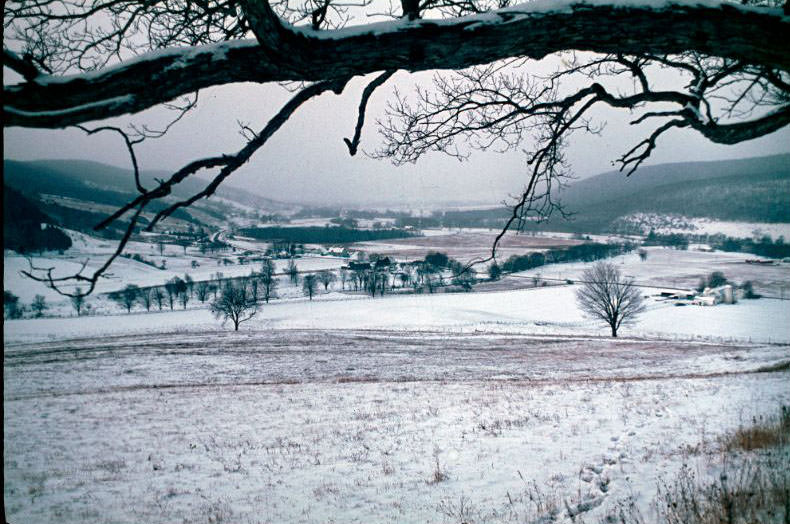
x: 725, y: 294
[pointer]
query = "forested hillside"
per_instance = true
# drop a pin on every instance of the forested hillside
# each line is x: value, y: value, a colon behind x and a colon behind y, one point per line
x: 751, y: 190
x: 78, y: 194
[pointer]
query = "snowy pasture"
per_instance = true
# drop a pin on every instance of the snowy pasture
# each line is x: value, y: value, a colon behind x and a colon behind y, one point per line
x: 544, y: 310
x: 501, y: 405
x: 365, y: 426
x: 682, y: 269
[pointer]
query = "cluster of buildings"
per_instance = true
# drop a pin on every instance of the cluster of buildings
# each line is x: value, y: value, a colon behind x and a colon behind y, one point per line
x: 725, y: 294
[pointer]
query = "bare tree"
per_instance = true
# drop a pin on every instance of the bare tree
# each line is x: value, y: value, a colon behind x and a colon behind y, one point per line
x: 126, y: 297
x: 78, y: 300
x: 82, y: 62
x: 183, y: 296
x: 39, y: 305
x: 268, y: 280
x: 146, y: 296
x: 326, y: 278
x: 202, y: 290
x: 607, y: 296
x: 233, y: 304
x: 190, y: 283
x: 171, y: 289
x: 343, y: 278
x: 405, y: 276
x: 309, y: 283
x: 359, y: 276
x: 159, y: 297
x: 293, y: 272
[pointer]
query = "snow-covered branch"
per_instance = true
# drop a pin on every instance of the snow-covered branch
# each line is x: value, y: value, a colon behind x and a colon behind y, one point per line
x: 286, y: 53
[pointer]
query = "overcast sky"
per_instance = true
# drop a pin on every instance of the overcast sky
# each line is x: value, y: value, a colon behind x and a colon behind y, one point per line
x: 307, y: 161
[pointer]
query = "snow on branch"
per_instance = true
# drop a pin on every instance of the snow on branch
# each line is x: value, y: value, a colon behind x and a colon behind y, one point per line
x: 287, y: 53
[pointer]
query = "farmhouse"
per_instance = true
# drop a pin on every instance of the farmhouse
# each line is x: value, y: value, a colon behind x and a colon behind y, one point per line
x: 721, y: 295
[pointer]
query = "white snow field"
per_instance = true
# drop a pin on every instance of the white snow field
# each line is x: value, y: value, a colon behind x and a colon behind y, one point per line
x: 365, y: 426
x: 548, y: 311
x: 502, y: 405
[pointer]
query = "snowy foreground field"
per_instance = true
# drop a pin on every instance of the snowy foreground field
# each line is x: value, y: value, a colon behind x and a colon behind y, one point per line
x: 501, y: 405
x: 368, y: 426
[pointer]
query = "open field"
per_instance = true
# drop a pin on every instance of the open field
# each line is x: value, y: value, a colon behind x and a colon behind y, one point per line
x: 466, y: 245
x: 501, y: 405
x: 544, y: 310
x: 682, y: 269
x: 361, y: 426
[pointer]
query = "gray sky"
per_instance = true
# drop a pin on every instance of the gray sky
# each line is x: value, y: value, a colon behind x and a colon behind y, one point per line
x: 307, y: 161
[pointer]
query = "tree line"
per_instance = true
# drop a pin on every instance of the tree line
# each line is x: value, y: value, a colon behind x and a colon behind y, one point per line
x: 580, y: 253
x: 764, y: 246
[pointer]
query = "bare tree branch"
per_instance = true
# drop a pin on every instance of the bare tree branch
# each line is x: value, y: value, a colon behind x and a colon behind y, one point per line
x: 232, y: 162
x: 24, y: 67
x: 284, y: 53
x: 738, y: 85
x: 499, y: 107
x: 353, y: 144
x: 45, y: 276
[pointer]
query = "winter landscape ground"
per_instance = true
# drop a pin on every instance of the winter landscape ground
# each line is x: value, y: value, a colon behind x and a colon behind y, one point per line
x: 505, y: 404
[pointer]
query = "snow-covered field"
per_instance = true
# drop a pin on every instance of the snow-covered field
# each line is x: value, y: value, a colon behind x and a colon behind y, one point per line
x: 506, y: 405
x: 665, y: 224
x: 548, y: 311
x: 682, y: 269
x: 364, y: 426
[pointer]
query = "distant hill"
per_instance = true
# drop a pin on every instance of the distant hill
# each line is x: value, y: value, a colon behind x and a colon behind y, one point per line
x: 749, y: 190
x: 25, y: 228
x: 79, y: 193
x: 752, y: 189
x: 79, y: 176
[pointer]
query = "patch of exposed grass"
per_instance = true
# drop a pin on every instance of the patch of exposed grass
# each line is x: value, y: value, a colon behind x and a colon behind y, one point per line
x: 756, y: 489
x: 763, y: 433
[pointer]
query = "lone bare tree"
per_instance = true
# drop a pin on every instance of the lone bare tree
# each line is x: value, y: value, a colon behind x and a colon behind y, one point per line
x: 607, y: 296
x: 233, y: 304
x: 719, y: 68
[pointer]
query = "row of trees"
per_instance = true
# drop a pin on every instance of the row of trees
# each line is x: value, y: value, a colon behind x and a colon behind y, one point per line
x: 763, y: 246
x: 13, y: 307
x: 583, y: 252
